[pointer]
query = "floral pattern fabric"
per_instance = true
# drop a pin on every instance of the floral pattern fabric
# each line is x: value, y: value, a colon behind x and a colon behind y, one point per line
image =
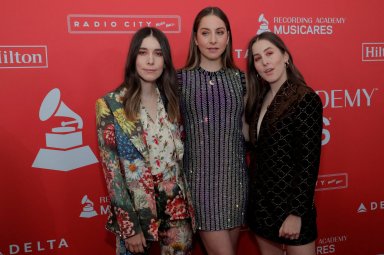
x: 160, y: 142
x: 128, y: 173
x: 176, y: 240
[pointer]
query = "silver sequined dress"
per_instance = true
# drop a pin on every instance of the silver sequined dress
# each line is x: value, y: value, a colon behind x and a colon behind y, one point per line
x: 214, y: 159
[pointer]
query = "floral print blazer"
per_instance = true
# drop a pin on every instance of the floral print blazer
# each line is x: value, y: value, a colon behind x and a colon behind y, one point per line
x: 125, y: 163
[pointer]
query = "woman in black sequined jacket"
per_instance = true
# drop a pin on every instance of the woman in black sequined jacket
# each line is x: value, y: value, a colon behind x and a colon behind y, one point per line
x: 285, y: 125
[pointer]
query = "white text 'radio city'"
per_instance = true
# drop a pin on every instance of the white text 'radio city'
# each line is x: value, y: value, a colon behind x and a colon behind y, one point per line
x: 121, y: 24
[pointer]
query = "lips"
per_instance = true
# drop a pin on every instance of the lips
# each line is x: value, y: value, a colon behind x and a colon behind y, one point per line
x: 268, y: 71
x: 213, y: 49
x: 150, y: 70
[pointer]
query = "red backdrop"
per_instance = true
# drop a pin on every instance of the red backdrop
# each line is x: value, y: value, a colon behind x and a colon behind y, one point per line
x: 58, y: 57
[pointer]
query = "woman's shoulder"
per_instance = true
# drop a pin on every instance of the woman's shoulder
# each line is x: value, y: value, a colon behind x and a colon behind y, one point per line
x: 301, y: 89
x: 115, y: 96
x: 306, y: 92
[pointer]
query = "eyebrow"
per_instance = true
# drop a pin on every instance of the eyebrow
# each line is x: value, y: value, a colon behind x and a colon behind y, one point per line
x: 214, y: 29
x: 263, y: 51
x: 144, y: 48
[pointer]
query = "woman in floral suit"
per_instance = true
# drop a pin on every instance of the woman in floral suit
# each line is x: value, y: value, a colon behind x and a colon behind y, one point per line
x: 141, y: 151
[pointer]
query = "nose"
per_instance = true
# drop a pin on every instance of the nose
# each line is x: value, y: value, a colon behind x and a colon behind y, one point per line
x: 150, y: 59
x: 264, y: 61
x: 212, y: 38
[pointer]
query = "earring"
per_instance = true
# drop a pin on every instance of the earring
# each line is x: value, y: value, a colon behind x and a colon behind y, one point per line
x: 286, y: 64
x: 257, y: 76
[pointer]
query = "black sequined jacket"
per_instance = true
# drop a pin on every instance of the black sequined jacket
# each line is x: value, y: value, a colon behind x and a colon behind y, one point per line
x: 285, y: 161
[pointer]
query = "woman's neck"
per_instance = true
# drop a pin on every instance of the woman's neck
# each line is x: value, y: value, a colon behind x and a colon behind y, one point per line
x: 211, y: 65
x: 275, y: 87
x: 148, y: 89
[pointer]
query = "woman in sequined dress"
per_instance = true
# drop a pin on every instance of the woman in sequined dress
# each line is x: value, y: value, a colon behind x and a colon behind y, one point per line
x: 212, y: 105
x: 285, y: 124
x: 141, y: 152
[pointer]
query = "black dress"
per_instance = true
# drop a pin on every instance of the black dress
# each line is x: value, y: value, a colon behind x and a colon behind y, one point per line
x: 214, y: 154
x: 285, y: 163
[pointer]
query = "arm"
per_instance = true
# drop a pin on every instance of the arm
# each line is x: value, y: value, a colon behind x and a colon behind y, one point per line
x: 307, y: 148
x: 245, y: 97
x: 123, y: 219
x: 307, y: 159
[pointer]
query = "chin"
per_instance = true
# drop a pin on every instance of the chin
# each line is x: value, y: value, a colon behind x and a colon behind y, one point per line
x: 214, y: 58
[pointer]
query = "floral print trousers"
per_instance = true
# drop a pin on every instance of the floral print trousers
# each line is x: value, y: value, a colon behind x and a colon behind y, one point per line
x: 176, y: 240
x: 174, y: 231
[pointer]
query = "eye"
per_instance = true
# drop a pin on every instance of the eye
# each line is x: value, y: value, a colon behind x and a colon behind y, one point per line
x: 269, y: 53
x: 159, y: 53
x: 142, y: 52
x: 256, y: 58
x: 220, y: 32
x: 204, y: 33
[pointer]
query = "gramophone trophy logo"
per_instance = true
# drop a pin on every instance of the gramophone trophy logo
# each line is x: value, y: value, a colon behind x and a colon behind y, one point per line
x: 263, y: 24
x: 88, y: 210
x: 64, y: 145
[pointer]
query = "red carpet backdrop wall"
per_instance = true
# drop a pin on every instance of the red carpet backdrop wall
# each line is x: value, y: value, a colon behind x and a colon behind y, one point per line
x: 58, y: 57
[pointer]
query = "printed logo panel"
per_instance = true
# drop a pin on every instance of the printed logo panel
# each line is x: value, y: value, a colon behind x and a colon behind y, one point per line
x: 23, y: 56
x: 332, y: 181
x: 64, y: 145
x: 99, y: 24
x: 372, y: 51
x: 299, y: 25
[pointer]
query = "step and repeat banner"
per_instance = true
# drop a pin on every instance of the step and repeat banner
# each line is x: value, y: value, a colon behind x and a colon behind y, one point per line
x: 58, y: 57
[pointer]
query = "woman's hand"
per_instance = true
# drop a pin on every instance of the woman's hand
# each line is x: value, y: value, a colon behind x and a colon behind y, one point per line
x: 136, y: 243
x: 290, y: 228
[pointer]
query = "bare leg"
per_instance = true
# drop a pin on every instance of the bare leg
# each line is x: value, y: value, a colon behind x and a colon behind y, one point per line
x: 234, y: 235
x: 218, y: 242
x: 306, y: 249
x: 268, y: 247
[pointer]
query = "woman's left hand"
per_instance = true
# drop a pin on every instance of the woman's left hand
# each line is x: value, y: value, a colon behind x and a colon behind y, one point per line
x: 290, y: 228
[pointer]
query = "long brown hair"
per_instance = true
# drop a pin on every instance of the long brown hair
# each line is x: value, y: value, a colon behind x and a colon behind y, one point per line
x: 194, y: 54
x: 257, y: 86
x: 167, y: 82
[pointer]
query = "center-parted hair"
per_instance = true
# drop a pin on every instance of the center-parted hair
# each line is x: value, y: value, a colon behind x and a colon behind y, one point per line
x: 167, y: 82
x: 257, y: 87
x: 194, y: 53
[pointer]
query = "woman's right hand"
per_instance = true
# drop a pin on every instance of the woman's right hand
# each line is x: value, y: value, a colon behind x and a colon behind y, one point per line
x: 136, y: 243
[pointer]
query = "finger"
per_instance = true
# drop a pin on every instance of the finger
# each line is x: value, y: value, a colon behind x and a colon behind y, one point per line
x: 130, y: 248
x: 141, y: 248
x: 143, y: 241
x: 133, y: 249
x: 281, y: 234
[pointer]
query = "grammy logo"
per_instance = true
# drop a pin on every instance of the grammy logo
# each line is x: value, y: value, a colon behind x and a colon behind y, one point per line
x: 263, y: 24
x: 88, y: 211
x: 64, y: 150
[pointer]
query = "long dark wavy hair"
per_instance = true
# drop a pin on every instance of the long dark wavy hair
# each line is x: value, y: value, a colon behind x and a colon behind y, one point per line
x: 167, y: 82
x: 257, y: 87
x: 194, y: 54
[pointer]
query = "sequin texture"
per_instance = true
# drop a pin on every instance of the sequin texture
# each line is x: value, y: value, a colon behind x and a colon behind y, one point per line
x: 214, y: 159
